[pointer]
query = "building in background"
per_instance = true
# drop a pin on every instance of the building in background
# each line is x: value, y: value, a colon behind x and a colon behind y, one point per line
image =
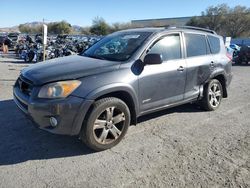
x: 162, y: 22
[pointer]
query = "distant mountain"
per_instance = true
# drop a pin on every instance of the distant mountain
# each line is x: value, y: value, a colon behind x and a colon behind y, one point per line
x: 15, y: 28
x: 9, y: 29
x: 33, y: 24
x: 76, y: 28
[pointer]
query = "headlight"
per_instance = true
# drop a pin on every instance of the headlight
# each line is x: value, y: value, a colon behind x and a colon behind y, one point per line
x: 58, y: 89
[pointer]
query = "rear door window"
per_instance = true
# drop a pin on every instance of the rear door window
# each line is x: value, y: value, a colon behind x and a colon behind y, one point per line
x: 196, y: 44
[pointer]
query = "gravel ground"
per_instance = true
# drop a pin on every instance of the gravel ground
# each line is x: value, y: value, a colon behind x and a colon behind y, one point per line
x: 179, y: 147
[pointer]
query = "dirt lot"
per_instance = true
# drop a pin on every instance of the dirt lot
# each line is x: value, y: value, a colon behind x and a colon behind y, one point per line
x: 179, y: 147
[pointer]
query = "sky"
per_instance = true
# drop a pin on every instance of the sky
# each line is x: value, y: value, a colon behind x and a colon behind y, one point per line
x: 81, y: 12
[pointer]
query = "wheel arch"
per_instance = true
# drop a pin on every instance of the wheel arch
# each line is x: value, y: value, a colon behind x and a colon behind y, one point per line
x: 222, y: 80
x: 125, y: 97
x: 122, y: 92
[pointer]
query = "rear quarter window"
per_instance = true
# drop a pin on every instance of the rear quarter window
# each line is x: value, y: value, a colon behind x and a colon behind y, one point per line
x: 214, y: 44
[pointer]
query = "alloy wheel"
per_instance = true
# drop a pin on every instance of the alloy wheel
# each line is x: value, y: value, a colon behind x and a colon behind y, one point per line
x: 109, y: 125
x: 215, y: 95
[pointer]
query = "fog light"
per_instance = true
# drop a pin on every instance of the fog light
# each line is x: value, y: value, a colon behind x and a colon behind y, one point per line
x: 53, y: 121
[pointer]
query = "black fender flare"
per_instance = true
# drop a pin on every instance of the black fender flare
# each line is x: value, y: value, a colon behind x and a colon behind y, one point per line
x: 115, y: 87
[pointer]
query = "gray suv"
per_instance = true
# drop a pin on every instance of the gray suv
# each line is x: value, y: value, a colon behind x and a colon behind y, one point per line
x: 98, y: 94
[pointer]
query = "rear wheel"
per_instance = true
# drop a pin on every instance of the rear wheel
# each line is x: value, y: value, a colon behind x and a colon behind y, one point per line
x: 106, y: 124
x: 213, y: 93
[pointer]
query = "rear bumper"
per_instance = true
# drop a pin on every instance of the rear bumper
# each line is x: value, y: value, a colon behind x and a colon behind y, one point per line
x: 69, y: 112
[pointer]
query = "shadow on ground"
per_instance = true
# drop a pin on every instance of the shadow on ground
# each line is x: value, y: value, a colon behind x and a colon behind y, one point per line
x: 242, y: 64
x: 21, y: 141
x: 179, y: 109
x: 15, y: 62
x: 13, y: 59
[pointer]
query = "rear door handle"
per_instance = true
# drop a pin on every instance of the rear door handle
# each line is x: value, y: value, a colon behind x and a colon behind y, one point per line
x: 181, y: 68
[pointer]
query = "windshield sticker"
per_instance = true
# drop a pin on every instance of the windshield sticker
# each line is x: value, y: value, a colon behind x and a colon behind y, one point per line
x: 130, y: 36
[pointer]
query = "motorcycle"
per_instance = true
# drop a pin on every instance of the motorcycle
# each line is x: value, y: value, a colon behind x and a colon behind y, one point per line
x: 31, y: 50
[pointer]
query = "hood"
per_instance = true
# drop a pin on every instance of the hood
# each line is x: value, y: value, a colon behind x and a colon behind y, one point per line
x: 67, y: 68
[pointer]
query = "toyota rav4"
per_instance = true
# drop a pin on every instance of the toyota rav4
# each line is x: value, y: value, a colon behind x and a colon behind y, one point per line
x: 98, y: 94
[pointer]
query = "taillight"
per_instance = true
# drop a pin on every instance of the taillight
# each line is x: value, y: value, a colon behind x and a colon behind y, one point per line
x: 230, y: 57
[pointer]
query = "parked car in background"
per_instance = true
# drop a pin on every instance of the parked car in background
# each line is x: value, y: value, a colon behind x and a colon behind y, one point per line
x: 235, y: 47
x: 233, y: 50
x: 98, y: 94
x: 243, y: 56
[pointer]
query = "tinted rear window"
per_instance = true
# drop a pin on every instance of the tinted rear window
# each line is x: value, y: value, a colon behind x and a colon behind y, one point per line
x: 196, y: 44
x: 214, y: 44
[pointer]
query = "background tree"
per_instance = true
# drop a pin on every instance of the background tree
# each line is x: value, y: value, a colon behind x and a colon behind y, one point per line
x: 195, y: 21
x: 85, y: 31
x: 53, y: 28
x: 237, y: 22
x: 120, y: 26
x: 214, y: 15
x: 59, y: 28
x: 234, y: 22
x: 24, y: 29
x: 99, y: 26
x: 30, y: 29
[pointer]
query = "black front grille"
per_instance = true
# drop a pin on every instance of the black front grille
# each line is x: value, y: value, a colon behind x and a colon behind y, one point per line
x: 24, y: 85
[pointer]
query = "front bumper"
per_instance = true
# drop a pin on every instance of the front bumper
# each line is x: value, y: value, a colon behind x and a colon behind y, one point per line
x: 69, y: 112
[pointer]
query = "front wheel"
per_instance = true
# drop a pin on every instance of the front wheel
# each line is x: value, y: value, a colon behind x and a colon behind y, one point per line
x: 106, y: 124
x: 213, y: 93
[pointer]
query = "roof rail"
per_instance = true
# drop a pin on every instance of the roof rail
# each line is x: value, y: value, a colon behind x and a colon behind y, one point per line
x: 194, y: 28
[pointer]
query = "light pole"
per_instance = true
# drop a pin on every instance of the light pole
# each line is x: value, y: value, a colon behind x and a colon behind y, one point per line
x: 45, y: 29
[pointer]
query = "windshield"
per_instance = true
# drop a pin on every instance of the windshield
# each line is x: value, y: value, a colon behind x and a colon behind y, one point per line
x: 117, y: 47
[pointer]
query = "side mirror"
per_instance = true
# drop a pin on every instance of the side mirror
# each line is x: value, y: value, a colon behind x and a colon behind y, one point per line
x: 152, y: 59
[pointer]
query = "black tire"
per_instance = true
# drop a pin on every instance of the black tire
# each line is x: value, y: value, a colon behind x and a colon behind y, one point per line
x: 100, y: 123
x: 212, y: 97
